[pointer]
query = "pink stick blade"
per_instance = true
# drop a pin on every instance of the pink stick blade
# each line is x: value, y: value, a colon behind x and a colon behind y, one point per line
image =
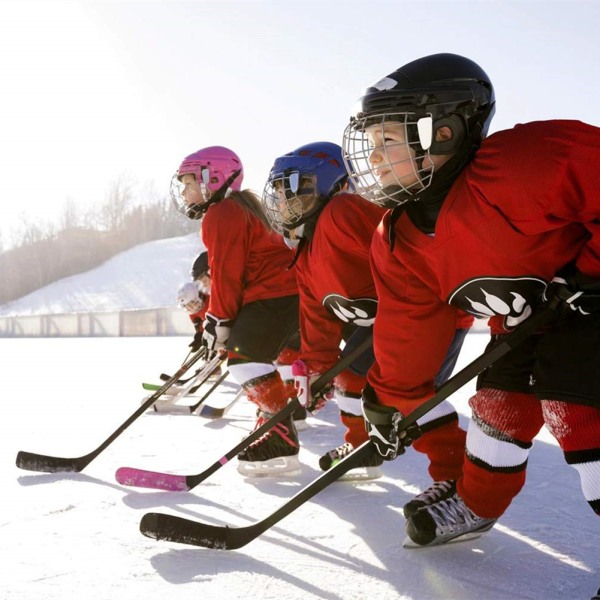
x: 151, y: 479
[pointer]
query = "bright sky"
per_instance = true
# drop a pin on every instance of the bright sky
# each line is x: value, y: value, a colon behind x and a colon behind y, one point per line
x: 94, y: 90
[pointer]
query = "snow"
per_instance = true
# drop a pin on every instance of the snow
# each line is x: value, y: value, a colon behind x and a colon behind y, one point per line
x: 146, y: 276
x: 70, y: 536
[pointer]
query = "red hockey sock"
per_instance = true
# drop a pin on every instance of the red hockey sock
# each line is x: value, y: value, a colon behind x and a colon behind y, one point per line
x: 356, y: 432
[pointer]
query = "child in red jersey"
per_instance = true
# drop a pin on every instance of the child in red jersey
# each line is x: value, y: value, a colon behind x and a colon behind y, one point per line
x: 494, y: 226
x: 306, y: 200
x: 253, y: 305
x: 193, y: 296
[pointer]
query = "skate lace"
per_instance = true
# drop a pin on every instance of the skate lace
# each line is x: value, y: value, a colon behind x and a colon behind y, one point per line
x: 452, y: 512
x: 260, y: 422
x: 341, y: 451
x: 279, y: 429
x: 434, y: 492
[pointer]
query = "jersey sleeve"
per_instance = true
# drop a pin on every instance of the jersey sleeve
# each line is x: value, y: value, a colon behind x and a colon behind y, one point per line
x: 542, y: 177
x: 320, y: 331
x: 226, y: 235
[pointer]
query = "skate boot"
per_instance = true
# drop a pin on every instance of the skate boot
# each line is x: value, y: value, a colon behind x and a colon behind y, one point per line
x: 445, y: 521
x: 299, y: 417
x: 274, y: 453
x: 439, y: 490
x: 368, y: 470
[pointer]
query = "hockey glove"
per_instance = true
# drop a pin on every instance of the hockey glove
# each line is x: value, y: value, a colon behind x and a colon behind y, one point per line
x: 197, y: 342
x: 216, y: 332
x: 382, y: 426
x: 303, y: 379
x: 576, y: 292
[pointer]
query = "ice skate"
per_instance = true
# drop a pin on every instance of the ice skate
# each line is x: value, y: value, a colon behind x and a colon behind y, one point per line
x: 439, y: 490
x: 299, y: 417
x: 368, y: 470
x: 273, y: 454
x: 443, y: 522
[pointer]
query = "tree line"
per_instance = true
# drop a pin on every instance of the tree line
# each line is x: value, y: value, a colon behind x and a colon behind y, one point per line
x: 82, y: 240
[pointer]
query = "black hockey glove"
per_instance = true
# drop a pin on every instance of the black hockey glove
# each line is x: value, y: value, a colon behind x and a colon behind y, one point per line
x: 196, y: 342
x: 382, y: 426
x: 574, y: 292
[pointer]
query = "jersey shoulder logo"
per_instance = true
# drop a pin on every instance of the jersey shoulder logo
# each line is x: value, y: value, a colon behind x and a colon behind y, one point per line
x: 359, y: 311
x: 511, y: 297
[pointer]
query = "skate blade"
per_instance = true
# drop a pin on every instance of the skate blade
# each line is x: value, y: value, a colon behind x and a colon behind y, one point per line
x: 163, y: 402
x: 465, y: 537
x: 362, y: 474
x: 171, y: 408
x: 301, y: 425
x: 286, y: 466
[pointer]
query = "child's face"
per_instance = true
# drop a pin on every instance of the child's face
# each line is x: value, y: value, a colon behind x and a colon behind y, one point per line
x: 391, y: 158
x: 298, y: 204
x: 191, y: 190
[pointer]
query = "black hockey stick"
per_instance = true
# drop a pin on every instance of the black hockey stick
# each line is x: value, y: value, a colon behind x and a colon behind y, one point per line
x: 172, y: 482
x: 181, y: 382
x: 170, y: 407
x: 56, y: 464
x: 165, y: 377
x: 162, y: 526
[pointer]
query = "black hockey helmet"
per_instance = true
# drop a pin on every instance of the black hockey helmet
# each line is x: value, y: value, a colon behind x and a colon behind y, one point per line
x: 443, y: 86
x: 200, y: 266
x: 441, y: 90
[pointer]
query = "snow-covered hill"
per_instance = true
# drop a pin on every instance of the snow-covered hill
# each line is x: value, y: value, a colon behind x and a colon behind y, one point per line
x: 146, y: 276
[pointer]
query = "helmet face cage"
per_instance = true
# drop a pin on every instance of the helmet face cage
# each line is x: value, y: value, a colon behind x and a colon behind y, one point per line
x: 289, y: 199
x: 415, y: 167
x: 192, y: 211
x: 299, y: 184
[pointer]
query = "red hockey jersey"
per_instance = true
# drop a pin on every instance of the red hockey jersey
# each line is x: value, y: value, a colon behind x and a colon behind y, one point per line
x: 248, y: 262
x: 528, y: 204
x: 334, y: 278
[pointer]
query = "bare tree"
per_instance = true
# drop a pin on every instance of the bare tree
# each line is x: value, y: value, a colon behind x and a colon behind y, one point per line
x: 30, y: 231
x: 41, y: 253
x: 69, y: 217
x: 117, y: 203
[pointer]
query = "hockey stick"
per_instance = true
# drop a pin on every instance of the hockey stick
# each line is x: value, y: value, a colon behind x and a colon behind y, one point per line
x: 211, y: 412
x: 165, y: 377
x: 152, y: 387
x: 170, y: 407
x: 162, y: 526
x: 55, y: 464
x: 171, y: 482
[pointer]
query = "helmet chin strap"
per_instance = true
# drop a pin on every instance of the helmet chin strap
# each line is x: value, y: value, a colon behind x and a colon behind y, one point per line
x: 197, y: 211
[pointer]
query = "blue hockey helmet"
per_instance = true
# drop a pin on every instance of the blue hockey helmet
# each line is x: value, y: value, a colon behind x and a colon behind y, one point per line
x: 300, y: 183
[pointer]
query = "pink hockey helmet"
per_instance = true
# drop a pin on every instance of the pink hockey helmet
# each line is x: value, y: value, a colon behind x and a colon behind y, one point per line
x: 212, y: 167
